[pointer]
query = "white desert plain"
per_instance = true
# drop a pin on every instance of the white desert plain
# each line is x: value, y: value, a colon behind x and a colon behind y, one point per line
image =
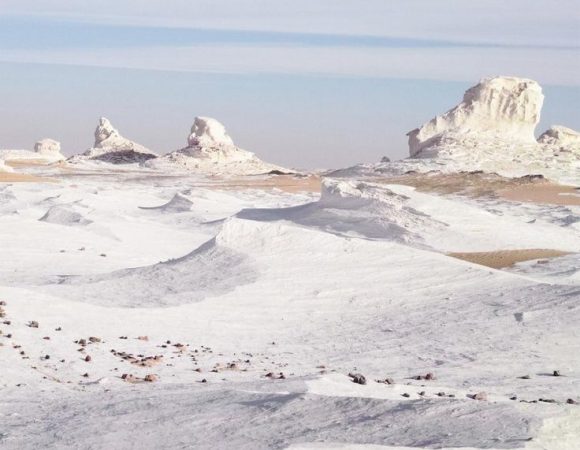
x: 208, y: 299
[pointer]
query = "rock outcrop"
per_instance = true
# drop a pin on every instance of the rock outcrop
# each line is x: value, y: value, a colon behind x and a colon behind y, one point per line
x: 49, y: 148
x: 4, y: 167
x: 561, y: 137
x: 113, y: 148
x: 46, y: 151
x: 496, y: 110
x: 210, y: 150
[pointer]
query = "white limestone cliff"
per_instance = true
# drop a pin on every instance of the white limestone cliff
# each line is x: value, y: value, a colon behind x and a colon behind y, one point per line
x: 110, y: 146
x: 500, y: 109
x: 210, y: 150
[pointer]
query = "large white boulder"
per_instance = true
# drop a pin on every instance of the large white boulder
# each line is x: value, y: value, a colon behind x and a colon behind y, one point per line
x: 49, y: 148
x: 210, y: 150
x: 113, y: 148
x: 208, y: 132
x: 505, y: 109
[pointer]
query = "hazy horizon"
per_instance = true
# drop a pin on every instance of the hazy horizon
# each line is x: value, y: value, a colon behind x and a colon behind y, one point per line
x: 328, y: 84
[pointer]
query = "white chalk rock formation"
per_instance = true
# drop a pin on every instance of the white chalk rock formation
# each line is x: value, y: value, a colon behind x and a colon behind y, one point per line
x: 500, y: 109
x: 4, y: 167
x: 113, y: 148
x: 210, y: 150
x: 560, y: 136
x: 46, y: 151
x: 49, y: 148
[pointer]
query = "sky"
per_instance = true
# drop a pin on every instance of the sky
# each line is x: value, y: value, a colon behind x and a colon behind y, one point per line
x: 306, y: 83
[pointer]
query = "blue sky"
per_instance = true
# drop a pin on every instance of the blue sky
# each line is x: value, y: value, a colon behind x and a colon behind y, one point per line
x: 304, y: 83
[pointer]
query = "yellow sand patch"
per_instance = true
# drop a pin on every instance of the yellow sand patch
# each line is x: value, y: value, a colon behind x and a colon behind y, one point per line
x: 10, y: 177
x: 507, y: 258
x: 544, y: 193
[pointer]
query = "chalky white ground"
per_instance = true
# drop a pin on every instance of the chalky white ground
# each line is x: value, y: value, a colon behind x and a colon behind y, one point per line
x: 357, y: 281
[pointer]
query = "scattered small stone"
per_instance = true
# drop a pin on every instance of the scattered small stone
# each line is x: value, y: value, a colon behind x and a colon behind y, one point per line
x: 387, y: 380
x: 204, y: 381
x: 46, y: 338
x: 422, y: 393
x: 33, y: 324
x: 358, y: 378
x: 150, y: 378
x: 525, y: 377
x: 556, y: 373
x: 103, y: 255
x: 58, y: 329
x: 571, y: 401
x: 514, y: 397
x: 440, y: 394
x: 9, y: 335
x: 428, y: 376
x: 82, y: 342
x: 129, y: 378
x: 88, y: 358
x: 46, y: 356
x: 547, y: 400
x: 86, y: 375
x: 405, y: 395
x: 94, y: 339
x: 479, y: 396
x: 2, y: 303
x: 143, y: 338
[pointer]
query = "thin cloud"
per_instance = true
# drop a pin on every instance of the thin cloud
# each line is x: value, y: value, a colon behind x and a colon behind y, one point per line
x: 513, y: 22
x: 448, y: 64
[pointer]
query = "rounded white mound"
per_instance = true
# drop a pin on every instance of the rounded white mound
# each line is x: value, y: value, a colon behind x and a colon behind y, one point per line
x: 111, y: 147
x: 211, y: 151
x: 505, y: 108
